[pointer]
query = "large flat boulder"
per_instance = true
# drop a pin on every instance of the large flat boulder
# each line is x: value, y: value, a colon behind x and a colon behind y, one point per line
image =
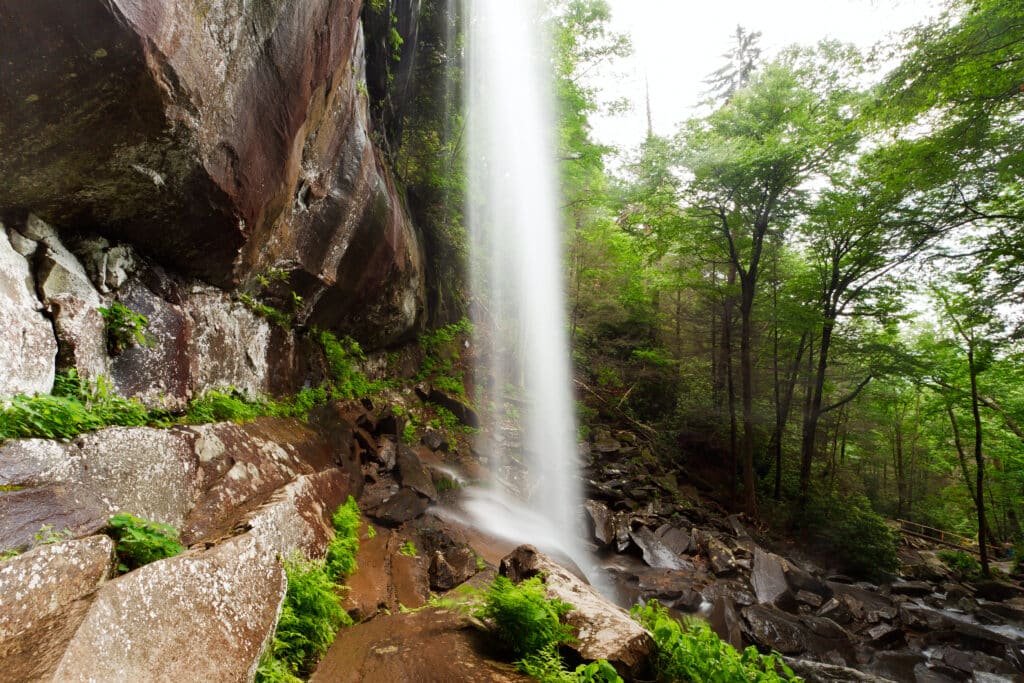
x: 44, y: 597
x: 429, y: 646
x: 197, y: 616
x: 202, y: 480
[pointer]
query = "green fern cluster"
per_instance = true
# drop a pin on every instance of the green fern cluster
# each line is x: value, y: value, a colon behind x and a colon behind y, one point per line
x: 138, y: 542
x: 310, y: 618
x: 312, y: 611
x: 341, y: 552
x: 124, y: 327
x: 527, y: 621
x: 693, y: 652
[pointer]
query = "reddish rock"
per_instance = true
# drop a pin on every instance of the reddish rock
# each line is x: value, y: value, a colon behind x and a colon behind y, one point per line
x: 44, y: 596
x: 198, y: 132
x: 430, y: 646
x: 197, y: 616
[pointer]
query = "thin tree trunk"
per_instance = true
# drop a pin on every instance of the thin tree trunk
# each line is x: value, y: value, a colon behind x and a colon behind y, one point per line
x: 979, y: 461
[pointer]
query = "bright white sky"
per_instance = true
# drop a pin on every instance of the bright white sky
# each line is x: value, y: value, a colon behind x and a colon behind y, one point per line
x: 677, y: 43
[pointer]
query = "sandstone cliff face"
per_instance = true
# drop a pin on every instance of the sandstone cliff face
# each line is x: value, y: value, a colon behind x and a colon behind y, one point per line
x: 218, y: 138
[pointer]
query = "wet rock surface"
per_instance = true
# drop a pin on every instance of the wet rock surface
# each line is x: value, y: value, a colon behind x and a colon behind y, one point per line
x: 831, y: 627
x: 44, y: 596
x: 431, y: 646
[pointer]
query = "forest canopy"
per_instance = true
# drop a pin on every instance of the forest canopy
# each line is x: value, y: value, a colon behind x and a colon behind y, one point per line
x: 812, y: 290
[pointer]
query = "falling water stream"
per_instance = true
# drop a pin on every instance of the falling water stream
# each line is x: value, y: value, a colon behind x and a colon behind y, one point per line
x: 513, y: 211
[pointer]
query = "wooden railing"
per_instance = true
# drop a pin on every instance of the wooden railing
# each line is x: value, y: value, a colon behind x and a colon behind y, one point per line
x: 943, y: 537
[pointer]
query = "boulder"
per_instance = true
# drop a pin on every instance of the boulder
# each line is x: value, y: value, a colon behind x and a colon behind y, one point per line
x: 603, y: 630
x: 771, y: 628
x: 44, y: 596
x: 201, y: 480
x: 820, y: 672
x: 725, y: 621
x: 413, y: 474
x: 401, y: 507
x: 601, y: 519
x: 241, y: 466
x: 675, y: 539
x: 451, y: 568
x: 27, y: 345
x: 970, y: 662
x: 656, y: 554
x: 768, y: 578
x: 428, y: 646
x: 224, y: 142
x: 157, y: 373
x: 912, y: 588
x: 197, y: 616
x: 24, y: 512
x: 229, y: 345
x: 720, y: 557
x: 998, y: 591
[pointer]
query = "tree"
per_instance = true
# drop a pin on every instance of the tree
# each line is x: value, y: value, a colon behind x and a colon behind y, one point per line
x: 742, y: 59
x: 748, y: 162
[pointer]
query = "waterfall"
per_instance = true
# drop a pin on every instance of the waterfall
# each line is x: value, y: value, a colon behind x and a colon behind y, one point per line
x: 513, y: 212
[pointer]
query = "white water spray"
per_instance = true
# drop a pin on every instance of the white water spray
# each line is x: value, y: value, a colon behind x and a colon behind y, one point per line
x: 514, y: 220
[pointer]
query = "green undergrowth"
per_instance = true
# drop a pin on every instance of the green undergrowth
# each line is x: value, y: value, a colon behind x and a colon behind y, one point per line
x: 124, y: 327
x: 75, y: 406
x: 441, y: 357
x: 47, y: 535
x: 693, y: 652
x: 962, y: 563
x: 138, y: 542
x: 529, y: 626
x: 312, y: 612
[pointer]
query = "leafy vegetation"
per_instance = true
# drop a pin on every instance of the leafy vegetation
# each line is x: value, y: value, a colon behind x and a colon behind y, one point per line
x: 124, y: 327
x: 76, y: 406
x: 962, y: 563
x: 310, y: 618
x: 814, y: 281
x: 340, y: 561
x: 527, y: 621
x: 408, y: 549
x: 693, y: 652
x: 312, y: 611
x: 441, y: 357
x: 346, y: 380
x: 832, y: 521
x: 138, y: 542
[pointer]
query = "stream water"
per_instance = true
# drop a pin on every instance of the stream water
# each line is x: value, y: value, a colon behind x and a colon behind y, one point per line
x: 513, y: 213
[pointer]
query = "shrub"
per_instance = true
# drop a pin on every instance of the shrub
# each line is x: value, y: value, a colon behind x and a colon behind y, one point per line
x: 139, y: 542
x: 341, y: 552
x: 961, y: 562
x: 408, y: 549
x: 852, y: 532
x: 526, y: 620
x: 310, y: 618
x: 342, y: 355
x: 693, y: 652
x: 124, y: 327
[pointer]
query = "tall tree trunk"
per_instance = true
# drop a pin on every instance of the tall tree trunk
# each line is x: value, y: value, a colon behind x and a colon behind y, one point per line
x: 808, y: 444
x: 979, y: 461
x: 747, y: 390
